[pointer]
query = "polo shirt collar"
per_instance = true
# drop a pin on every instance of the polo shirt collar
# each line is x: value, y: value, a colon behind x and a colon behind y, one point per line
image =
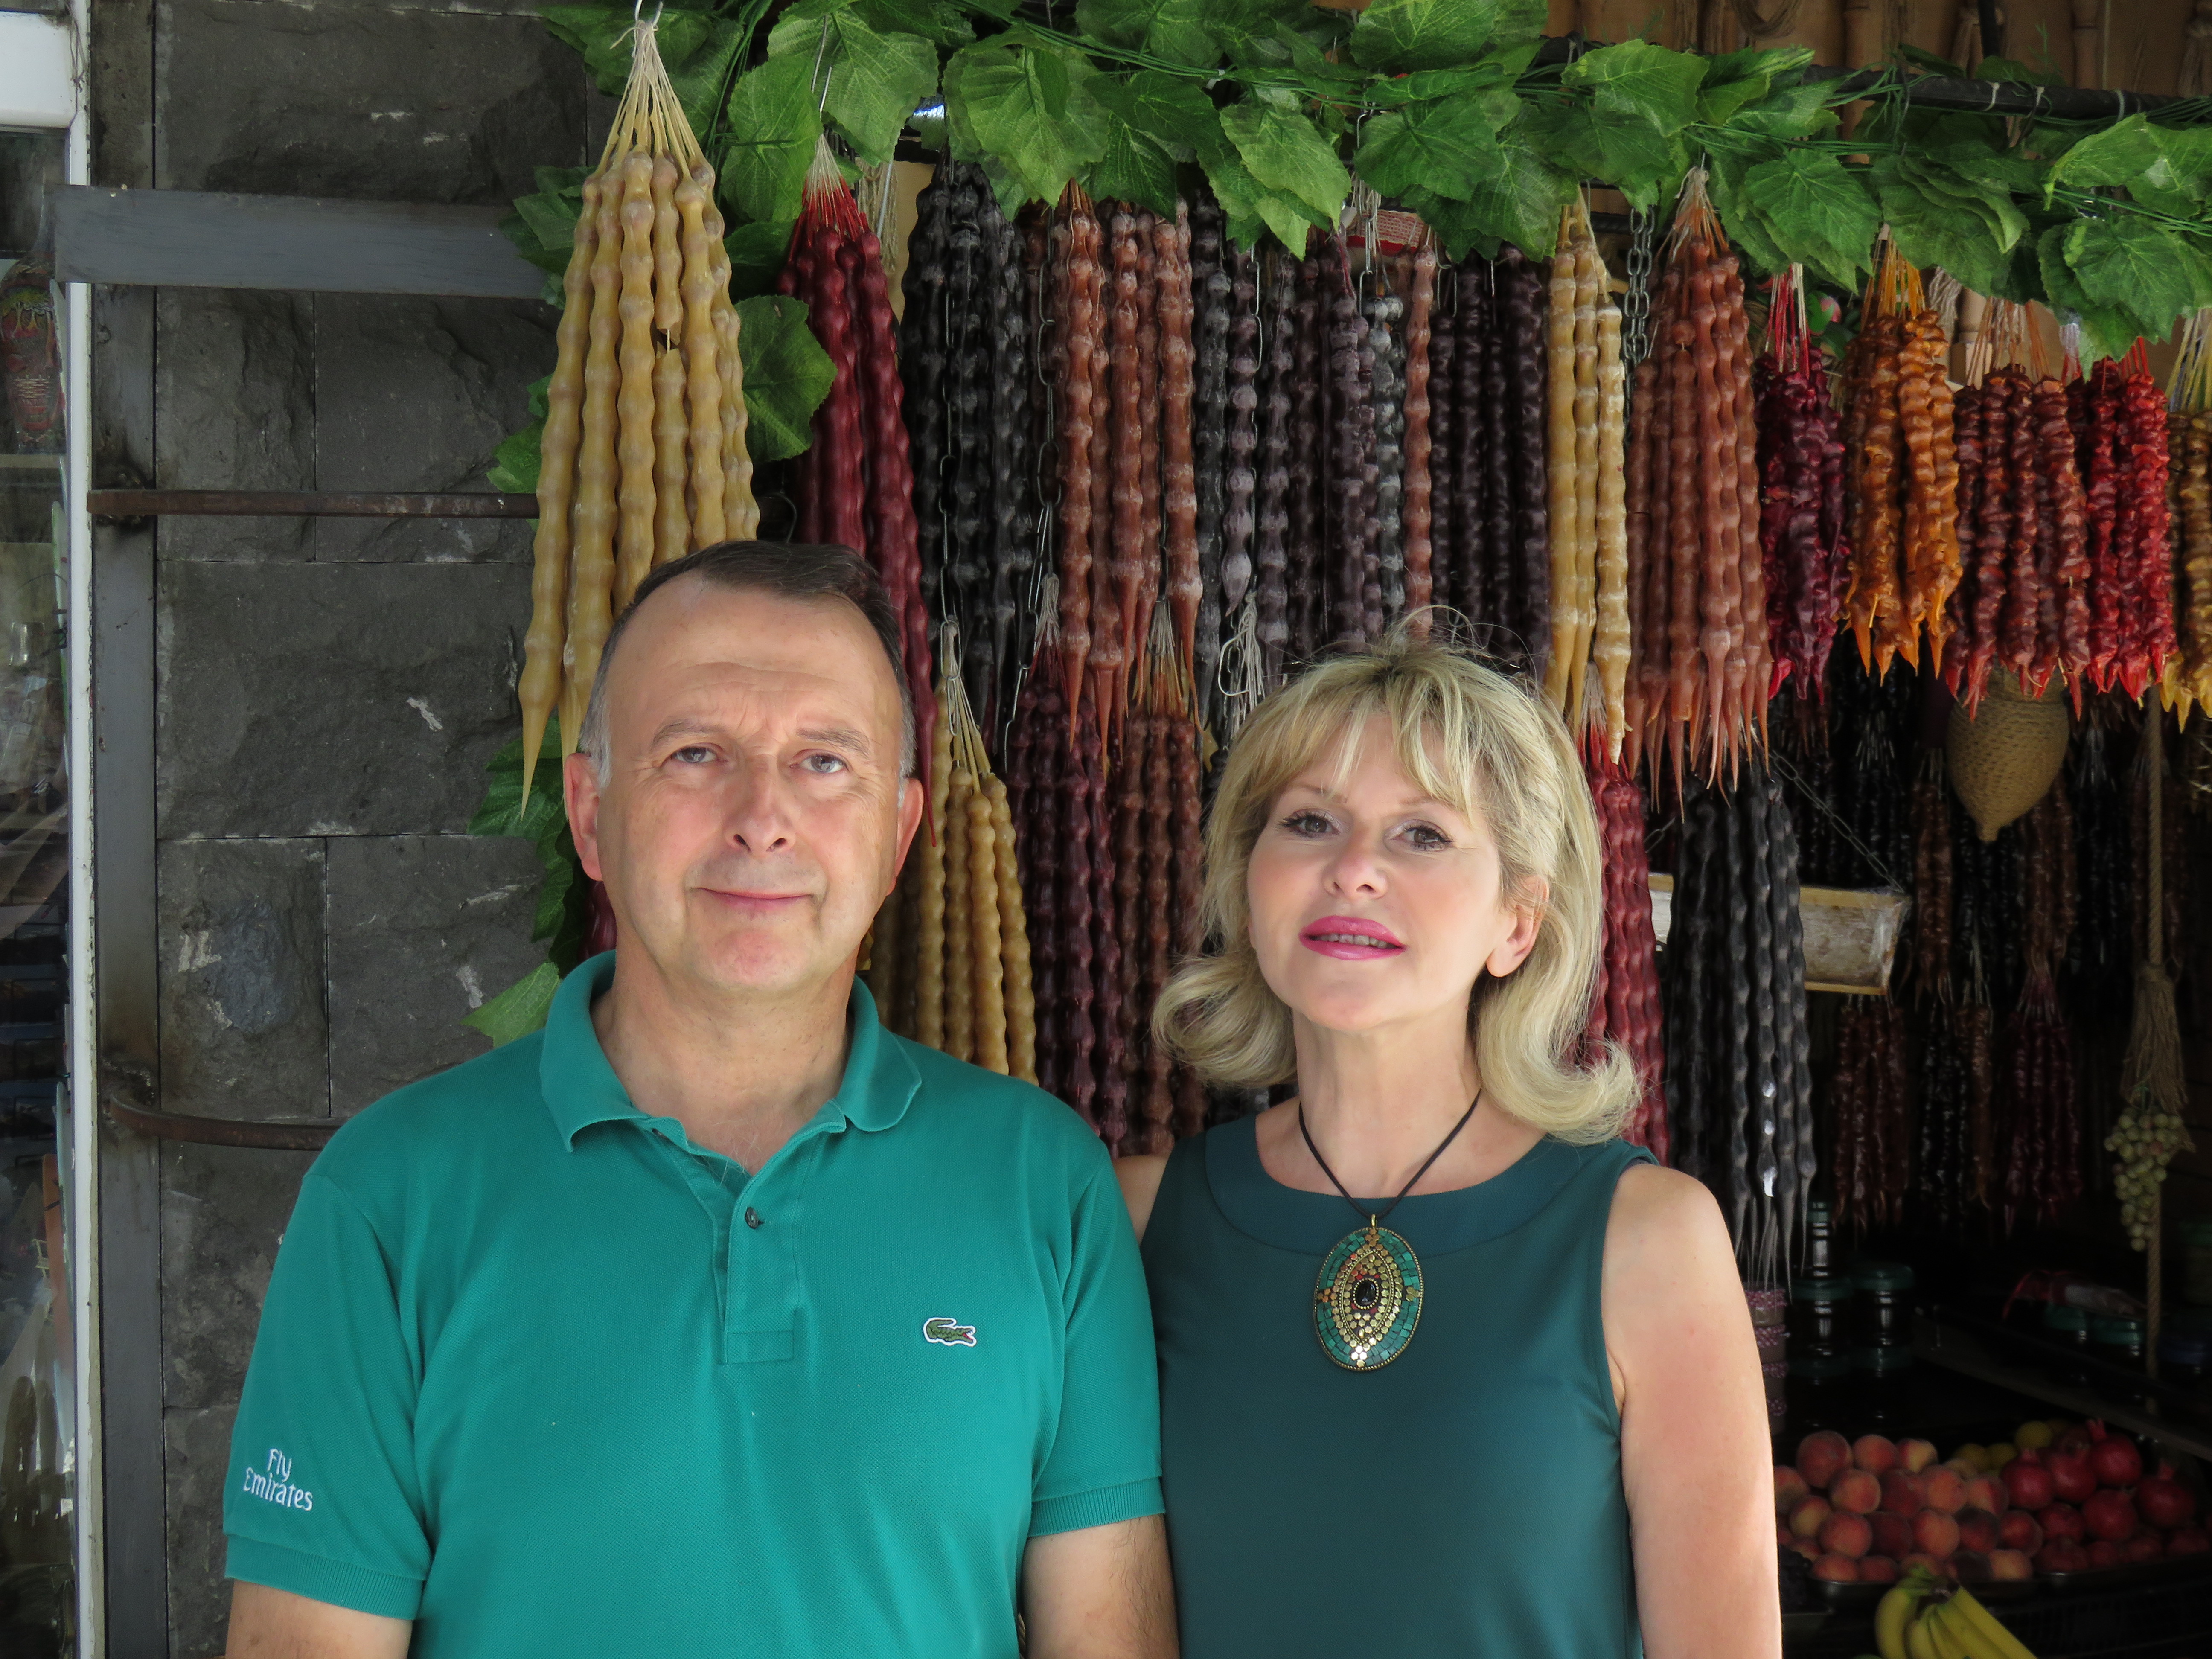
x: 580, y: 1088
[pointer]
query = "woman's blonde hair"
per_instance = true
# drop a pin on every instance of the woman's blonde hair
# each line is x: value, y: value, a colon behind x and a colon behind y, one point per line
x: 1481, y: 741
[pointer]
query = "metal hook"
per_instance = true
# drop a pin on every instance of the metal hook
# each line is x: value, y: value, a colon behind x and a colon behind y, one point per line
x: 637, y: 15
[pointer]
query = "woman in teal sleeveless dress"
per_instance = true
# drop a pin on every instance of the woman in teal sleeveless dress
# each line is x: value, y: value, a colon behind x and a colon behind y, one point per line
x: 1445, y: 1369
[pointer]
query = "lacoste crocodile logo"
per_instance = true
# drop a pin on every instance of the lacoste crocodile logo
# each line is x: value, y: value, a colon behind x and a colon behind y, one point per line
x: 951, y: 1334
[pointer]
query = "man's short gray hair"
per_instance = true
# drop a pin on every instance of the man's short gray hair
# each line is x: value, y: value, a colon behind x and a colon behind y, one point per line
x: 789, y: 570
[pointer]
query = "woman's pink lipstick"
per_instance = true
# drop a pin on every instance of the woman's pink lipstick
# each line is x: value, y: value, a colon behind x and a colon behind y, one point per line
x: 1350, y: 939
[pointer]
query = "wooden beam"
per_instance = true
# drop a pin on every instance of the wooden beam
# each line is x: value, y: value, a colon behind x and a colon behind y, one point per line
x: 200, y: 239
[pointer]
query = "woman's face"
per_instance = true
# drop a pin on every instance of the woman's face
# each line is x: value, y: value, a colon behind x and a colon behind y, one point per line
x: 1373, y: 906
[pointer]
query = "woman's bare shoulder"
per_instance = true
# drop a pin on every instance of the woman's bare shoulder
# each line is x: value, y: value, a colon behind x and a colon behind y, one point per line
x: 1665, y: 1233
x: 1140, y: 1174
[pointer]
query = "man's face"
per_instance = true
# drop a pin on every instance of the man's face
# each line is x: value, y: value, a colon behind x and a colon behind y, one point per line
x: 752, y: 816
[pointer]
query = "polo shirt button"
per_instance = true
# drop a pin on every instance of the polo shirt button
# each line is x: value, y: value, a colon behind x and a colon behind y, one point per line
x: 752, y: 1217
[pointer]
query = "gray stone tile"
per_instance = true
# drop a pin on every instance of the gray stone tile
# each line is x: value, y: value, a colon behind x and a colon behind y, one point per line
x: 198, y: 1458
x: 333, y: 699
x: 362, y: 101
x: 235, y: 389
x: 421, y: 929
x: 223, y: 1209
x: 243, y: 1032
x: 415, y: 394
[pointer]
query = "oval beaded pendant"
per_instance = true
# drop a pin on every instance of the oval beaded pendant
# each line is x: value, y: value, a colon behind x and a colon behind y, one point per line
x: 1368, y: 1299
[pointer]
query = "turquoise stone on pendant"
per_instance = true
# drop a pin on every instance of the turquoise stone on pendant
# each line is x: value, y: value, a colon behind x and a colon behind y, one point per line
x: 1368, y: 1299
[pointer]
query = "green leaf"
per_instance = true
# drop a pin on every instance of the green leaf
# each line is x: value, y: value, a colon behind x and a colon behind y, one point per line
x: 2119, y: 154
x: 1168, y: 109
x: 757, y: 255
x: 1518, y: 201
x: 1798, y: 112
x: 773, y: 131
x: 1992, y: 204
x: 875, y: 79
x: 553, y: 261
x: 1424, y: 34
x: 1637, y: 78
x: 2106, y: 330
x: 519, y: 1010
x: 552, y: 220
x: 936, y: 20
x: 561, y: 181
x: 1739, y: 78
x: 788, y: 374
x: 1933, y: 227
x: 514, y: 464
x: 1746, y: 230
x: 1815, y: 212
x: 1285, y: 153
x: 1625, y: 150
x: 1175, y: 30
x: 1030, y: 109
x: 1133, y: 169
x: 1240, y: 195
x: 1441, y: 147
x: 2127, y: 260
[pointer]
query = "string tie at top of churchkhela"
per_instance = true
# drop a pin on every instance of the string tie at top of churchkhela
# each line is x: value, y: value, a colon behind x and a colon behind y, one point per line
x: 1705, y: 668
x: 643, y: 457
x: 949, y: 961
x: 1801, y: 520
x: 1903, y: 469
x: 854, y: 483
x: 1587, y: 427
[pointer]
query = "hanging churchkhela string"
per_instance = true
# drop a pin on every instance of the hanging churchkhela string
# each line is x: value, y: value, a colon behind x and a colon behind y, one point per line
x: 1368, y: 1298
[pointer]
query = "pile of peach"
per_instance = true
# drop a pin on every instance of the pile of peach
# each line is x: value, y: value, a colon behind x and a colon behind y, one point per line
x: 1864, y: 1511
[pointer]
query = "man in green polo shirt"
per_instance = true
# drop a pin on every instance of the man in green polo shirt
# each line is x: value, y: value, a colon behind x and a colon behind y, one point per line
x: 713, y: 1319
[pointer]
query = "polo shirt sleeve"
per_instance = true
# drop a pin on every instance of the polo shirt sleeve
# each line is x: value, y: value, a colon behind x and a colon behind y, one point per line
x: 323, y: 1498
x: 1104, y: 1464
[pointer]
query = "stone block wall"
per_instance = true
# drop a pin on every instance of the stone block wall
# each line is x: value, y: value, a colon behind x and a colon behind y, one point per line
x: 326, y: 692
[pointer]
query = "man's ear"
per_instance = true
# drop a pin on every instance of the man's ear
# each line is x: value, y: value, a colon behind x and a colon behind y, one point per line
x: 579, y: 787
x: 914, y: 801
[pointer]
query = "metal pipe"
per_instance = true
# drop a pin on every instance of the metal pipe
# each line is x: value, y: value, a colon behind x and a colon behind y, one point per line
x: 305, y: 504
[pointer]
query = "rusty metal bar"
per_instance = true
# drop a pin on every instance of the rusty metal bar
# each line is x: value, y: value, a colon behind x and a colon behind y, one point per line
x: 282, y: 1137
x: 305, y: 504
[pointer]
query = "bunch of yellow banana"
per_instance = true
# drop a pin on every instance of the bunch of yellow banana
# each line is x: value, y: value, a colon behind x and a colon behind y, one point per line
x: 1916, y: 1620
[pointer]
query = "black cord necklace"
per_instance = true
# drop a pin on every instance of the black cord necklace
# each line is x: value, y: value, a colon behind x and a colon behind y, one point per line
x: 1368, y: 1298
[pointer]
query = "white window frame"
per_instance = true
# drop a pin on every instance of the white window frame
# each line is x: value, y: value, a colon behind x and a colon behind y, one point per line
x: 42, y: 87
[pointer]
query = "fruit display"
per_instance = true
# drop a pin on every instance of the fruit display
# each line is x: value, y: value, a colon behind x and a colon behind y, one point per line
x: 2057, y: 1498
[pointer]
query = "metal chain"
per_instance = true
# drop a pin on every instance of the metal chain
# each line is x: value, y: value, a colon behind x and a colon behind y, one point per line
x: 1636, y: 304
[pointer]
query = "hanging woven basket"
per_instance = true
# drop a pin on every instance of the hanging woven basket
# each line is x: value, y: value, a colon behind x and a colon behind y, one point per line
x: 2004, y: 759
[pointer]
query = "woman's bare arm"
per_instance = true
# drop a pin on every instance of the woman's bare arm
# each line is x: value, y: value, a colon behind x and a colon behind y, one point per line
x: 1696, y: 1459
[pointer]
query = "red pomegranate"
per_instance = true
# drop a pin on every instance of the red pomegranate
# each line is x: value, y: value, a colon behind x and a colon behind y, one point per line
x: 2063, y: 1555
x: 2071, y: 1477
x: 2164, y: 1501
x: 2109, y: 1515
x: 2113, y: 1458
x: 2062, y: 1524
x: 2144, y: 1545
x: 2027, y: 1482
x: 2189, y: 1541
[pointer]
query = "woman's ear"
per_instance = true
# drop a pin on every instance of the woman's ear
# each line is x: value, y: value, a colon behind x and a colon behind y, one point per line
x: 1528, y: 913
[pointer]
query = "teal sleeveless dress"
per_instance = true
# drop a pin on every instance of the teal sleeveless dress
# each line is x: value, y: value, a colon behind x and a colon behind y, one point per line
x: 1464, y: 1500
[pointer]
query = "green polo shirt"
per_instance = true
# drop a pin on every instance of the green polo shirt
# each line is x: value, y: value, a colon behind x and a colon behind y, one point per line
x: 542, y: 1376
